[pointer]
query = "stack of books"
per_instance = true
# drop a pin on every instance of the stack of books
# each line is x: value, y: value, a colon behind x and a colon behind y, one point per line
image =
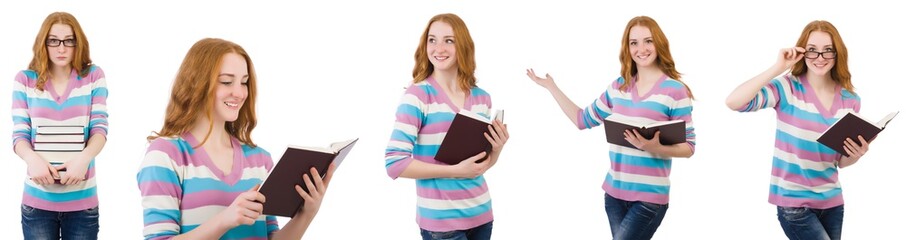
x: 59, y: 144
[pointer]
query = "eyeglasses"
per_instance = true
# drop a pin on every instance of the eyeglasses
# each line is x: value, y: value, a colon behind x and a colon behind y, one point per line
x: 71, y: 42
x: 825, y: 55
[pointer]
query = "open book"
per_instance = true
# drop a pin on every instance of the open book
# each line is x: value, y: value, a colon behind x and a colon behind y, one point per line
x: 672, y: 132
x: 851, y: 126
x: 465, y: 138
x: 280, y: 186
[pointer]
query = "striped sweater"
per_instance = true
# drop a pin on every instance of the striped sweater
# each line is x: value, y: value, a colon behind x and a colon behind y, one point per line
x: 84, y: 102
x: 182, y: 188
x: 637, y: 175
x: 804, y: 172
x: 422, y: 120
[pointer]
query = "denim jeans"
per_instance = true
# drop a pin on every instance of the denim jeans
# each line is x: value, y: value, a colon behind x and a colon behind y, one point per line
x: 810, y: 223
x: 482, y: 232
x: 43, y: 224
x: 633, y: 220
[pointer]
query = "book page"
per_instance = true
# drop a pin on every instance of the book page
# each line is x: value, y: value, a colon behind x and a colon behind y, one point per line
x: 337, y: 146
x: 663, y: 123
x: 475, y: 116
x: 623, y: 121
x: 315, y: 149
x: 884, y: 121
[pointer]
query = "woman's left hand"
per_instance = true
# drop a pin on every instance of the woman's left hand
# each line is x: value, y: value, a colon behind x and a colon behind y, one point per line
x: 854, y: 150
x: 76, y: 170
x: 498, y: 135
x: 637, y: 140
x: 316, y: 191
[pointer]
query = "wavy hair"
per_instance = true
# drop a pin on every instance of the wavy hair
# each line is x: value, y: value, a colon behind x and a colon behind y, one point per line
x: 465, y: 52
x: 840, y: 71
x: 664, y: 60
x: 40, y: 62
x: 194, y: 90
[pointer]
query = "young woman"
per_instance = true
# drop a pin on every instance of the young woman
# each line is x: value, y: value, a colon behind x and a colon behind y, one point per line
x: 60, y: 88
x: 808, y: 100
x: 649, y: 90
x: 201, y: 172
x: 453, y: 200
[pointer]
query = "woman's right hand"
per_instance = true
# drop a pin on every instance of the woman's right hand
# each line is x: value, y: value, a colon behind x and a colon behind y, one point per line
x: 789, y: 56
x: 547, y: 82
x: 244, y: 210
x: 41, y: 172
x: 471, y: 168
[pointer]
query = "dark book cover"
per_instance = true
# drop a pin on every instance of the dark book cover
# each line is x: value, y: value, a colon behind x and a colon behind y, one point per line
x: 851, y: 126
x: 279, y: 188
x: 672, y: 132
x: 464, y: 139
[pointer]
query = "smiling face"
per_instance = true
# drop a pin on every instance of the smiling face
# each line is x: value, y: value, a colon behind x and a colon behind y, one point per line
x: 641, y: 46
x: 441, y: 46
x: 232, y: 88
x: 818, y: 58
x: 61, y: 55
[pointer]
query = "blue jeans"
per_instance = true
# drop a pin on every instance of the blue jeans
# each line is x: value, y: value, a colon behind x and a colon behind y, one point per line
x: 482, y: 232
x: 43, y: 224
x: 633, y: 220
x: 810, y: 223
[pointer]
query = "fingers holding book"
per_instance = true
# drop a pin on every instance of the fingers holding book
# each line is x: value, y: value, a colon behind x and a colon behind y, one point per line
x: 472, y: 167
x: 640, y: 142
x: 42, y: 173
x: 244, y: 210
x: 854, y: 150
x: 497, y: 135
x: 316, y: 191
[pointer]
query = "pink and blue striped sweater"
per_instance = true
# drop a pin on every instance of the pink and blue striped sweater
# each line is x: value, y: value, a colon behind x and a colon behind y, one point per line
x: 84, y: 102
x: 422, y: 120
x: 637, y: 175
x: 182, y: 188
x: 804, y: 172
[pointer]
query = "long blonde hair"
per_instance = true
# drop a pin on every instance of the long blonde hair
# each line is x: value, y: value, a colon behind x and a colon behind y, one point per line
x: 194, y: 89
x: 40, y: 62
x: 465, y: 52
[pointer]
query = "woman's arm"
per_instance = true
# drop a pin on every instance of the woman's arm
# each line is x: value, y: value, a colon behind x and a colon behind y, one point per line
x: 653, y: 145
x: 569, y: 108
x: 399, y: 160
x: 745, y: 92
x: 39, y: 170
x: 160, y: 183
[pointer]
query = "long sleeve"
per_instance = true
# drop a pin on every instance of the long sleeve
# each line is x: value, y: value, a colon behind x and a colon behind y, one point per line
x: 682, y: 110
x: 21, y: 118
x: 160, y: 184
x: 595, y: 113
x: 768, y: 97
x: 97, y: 122
x: 409, y: 117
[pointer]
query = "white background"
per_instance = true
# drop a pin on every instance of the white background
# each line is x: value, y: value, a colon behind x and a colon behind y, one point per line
x: 332, y: 71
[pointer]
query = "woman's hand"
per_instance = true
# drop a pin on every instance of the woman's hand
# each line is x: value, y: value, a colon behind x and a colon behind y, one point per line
x: 498, y: 135
x: 76, y: 170
x: 789, y: 56
x: 41, y: 172
x: 637, y: 140
x: 471, y: 168
x: 316, y: 191
x: 244, y: 210
x: 547, y: 82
